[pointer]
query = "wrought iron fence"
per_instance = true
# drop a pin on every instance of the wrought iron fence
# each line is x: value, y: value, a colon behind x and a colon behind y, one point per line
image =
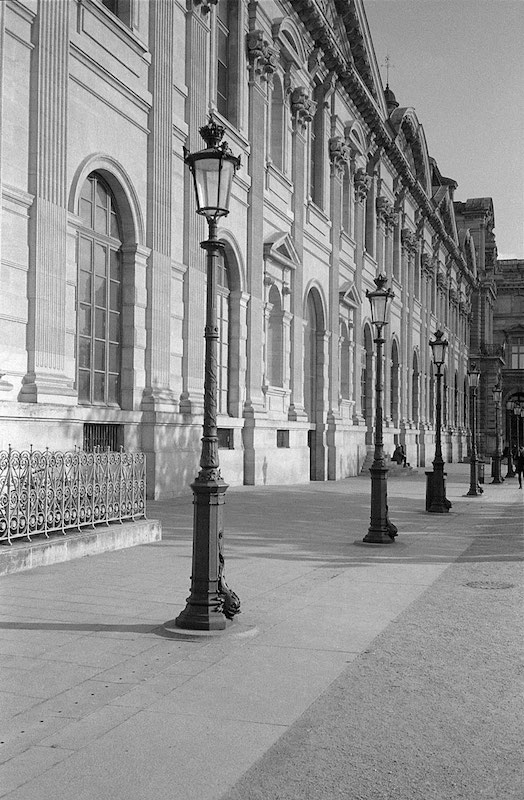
x: 44, y: 491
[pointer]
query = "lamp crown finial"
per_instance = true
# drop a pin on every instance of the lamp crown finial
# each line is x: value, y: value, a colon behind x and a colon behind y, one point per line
x: 212, y: 132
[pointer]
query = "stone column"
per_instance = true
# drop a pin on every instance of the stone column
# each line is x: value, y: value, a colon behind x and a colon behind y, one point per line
x: 261, y: 58
x: 302, y: 111
x: 46, y: 380
x: 339, y: 154
x: 195, y: 228
x: 361, y: 182
x: 158, y: 395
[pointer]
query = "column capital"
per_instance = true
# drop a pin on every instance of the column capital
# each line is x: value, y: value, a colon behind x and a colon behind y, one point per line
x: 302, y: 107
x: 262, y: 56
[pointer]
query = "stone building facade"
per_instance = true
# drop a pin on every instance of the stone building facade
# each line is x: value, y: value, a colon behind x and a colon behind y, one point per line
x: 103, y: 302
x: 508, y: 333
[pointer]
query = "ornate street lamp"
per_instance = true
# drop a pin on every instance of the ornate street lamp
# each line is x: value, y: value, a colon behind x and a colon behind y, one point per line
x: 436, y: 500
x: 510, y: 405
x: 210, y: 601
x: 381, y: 530
x: 473, y: 381
x: 497, y: 458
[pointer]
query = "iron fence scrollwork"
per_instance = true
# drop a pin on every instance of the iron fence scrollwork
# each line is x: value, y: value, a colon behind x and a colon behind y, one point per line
x: 43, y: 492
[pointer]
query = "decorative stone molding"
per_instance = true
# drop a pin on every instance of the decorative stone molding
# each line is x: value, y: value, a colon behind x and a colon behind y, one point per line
x: 262, y: 56
x: 302, y: 106
x: 386, y: 213
x: 362, y: 183
x: 339, y: 155
x: 409, y: 240
x: 441, y: 280
x: 206, y: 5
x: 428, y: 265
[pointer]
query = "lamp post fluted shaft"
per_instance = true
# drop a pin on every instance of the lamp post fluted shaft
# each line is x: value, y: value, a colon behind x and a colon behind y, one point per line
x: 381, y: 530
x: 474, y: 488
x: 439, y: 503
x: 205, y: 602
x: 211, y: 601
x: 497, y: 458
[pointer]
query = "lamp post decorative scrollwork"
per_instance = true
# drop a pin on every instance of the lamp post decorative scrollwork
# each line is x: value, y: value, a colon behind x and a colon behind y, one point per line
x: 497, y: 457
x: 211, y: 601
x: 475, y: 489
x: 436, y: 500
x: 381, y: 529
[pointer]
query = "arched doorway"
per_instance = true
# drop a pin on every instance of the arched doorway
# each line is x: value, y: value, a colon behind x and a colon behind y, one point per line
x: 314, y: 383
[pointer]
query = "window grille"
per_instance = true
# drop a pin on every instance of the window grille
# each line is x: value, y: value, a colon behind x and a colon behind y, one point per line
x: 225, y: 438
x: 282, y: 438
x: 102, y: 437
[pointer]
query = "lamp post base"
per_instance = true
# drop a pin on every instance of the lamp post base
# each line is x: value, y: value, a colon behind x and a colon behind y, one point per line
x: 381, y: 530
x: 497, y: 471
x: 204, y: 609
x: 436, y: 500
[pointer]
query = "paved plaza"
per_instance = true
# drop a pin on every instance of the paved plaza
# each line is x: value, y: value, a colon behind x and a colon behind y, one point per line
x: 353, y: 671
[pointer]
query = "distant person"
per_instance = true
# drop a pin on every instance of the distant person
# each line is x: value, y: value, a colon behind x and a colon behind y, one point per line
x: 400, y: 455
x: 519, y: 465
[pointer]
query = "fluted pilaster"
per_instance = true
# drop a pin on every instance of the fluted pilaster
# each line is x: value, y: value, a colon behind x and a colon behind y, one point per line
x: 158, y: 394
x: 46, y: 379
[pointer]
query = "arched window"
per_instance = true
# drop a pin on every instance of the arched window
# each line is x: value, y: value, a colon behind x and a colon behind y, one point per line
x: 415, y: 389
x: 394, y: 384
x: 277, y: 141
x: 345, y: 371
x: 223, y: 323
x: 99, y: 338
x: 274, y: 339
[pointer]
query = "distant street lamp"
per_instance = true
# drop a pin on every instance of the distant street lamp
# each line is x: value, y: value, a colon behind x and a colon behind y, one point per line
x: 381, y: 530
x: 436, y: 500
x: 497, y: 458
x: 510, y: 405
x: 210, y: 601
x: 473, y: 380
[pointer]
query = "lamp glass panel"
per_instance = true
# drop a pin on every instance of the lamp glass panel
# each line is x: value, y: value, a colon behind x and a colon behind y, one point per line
x: 473, y: 378
x: 379, y: 302
x: 207, y: 181
x: 439, y: 349
x: 497, y: 394
x: 225, y: 183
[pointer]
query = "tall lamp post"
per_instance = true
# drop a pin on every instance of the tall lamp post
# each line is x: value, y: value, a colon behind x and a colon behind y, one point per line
x: 210, y: 601
x: 381, y: 530
x: 509, y: 409
x: 436, y: 500
x: 497, y: 458
x: 473, y: 382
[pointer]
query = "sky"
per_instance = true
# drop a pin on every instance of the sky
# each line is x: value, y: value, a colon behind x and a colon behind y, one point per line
x: 460, y: 65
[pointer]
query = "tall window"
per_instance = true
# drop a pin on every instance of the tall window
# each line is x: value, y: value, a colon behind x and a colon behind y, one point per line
x: 346, y: 200
x: 223, y: 336
x: 345, y: 371
x: 223, y: 57
x: 277, y: 132
x: 120, y: 8
x: 99, y: 295
x: 517, y: 353
x: 393, y: 401
x: 274, y: 339
x: 316, y: 152
x: 414, y: 389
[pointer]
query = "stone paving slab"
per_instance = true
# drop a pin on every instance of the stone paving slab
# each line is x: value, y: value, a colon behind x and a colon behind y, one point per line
x: 98, y: 704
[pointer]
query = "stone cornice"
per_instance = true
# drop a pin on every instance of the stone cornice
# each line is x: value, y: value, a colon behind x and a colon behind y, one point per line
x: 360, y: 93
